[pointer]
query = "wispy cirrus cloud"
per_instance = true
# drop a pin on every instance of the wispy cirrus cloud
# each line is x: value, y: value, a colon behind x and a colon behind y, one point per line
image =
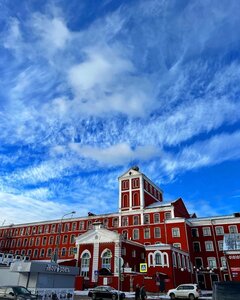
x: 154, y: 83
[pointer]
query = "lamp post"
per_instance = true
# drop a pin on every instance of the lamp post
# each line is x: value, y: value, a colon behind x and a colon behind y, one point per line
x: 56, y: 254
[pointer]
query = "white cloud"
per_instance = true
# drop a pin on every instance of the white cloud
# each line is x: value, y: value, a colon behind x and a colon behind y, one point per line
x: 217, y: 149
x: 23, y: 209
x: 119, y: 154
x: 52, y: 30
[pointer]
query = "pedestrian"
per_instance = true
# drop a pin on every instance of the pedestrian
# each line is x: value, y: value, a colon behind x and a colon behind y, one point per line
x: 143, y: 293
x: 137, y: 292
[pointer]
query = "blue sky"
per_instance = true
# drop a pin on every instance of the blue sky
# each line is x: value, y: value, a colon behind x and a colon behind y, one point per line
x: 89, y: 88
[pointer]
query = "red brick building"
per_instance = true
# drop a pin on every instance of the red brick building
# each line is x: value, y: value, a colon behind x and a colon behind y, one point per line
x: 174, y: 246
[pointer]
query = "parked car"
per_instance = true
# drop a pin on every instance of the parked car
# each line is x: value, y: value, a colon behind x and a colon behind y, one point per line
x: 189, y: 290
x: 105, y: 292
x: 16, y: 293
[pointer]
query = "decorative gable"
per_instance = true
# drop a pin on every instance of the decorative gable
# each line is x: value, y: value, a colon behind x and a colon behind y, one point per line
x: 98, y: 234
x: 131, y: 172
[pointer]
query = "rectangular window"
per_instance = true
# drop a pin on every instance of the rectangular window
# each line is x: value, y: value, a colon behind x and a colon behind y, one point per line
x: 146, y: 219
x: 146, y: 233
x: 115, y: 222
x: 196, y: 247
x: 206, y: 231
x: 135, y: 234
x: 89, y: 225
x: 167, y: 215
x: 157, y: 232
x: 220, y: 245
x: 175, y: 232
x: 219, y: 230
x: 74, y: 226
x: 223, y: 262
x: 209, y: 246
x: 212, y: 262
x: 135, y: 220
x: 156, y: 218
x: 125, y: 221
x: 198, y: 262
x: 81, y: 225
x: 194, y: 232
x: 66, y: 227
x: 134, y: 253
x: 232, y: 229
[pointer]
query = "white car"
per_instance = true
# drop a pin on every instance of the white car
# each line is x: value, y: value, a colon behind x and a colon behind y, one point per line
x: 188, y: 290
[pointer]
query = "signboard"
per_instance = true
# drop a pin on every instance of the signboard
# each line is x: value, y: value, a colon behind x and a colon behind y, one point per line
x: 143, y: 268
x: 231, y: 242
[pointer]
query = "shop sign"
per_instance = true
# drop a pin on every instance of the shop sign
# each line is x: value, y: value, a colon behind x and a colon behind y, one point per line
x: 237, y: 269
x: 57, y: 269
x: 234, y: 256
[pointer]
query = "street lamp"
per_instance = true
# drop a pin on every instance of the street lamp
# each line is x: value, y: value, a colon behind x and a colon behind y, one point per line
x: 55, y: 257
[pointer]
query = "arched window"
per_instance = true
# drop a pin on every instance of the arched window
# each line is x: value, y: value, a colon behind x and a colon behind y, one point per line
x: 174, y: 259
x: 125, y: 234
x: 65, y: 239
x: 183, y: 262
x: 106, y: 259
x: 158, y: 259
x: 64, y: 251
x: 72, y: 240
x: 85, y: 262
x: 150, y: 259
x: 135, y: 199
x: 165, y: 259
x: 125, y: 200
x: 179, y: 261
x: 51, y: 239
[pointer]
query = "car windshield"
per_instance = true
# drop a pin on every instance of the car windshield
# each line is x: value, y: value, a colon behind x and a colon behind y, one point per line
x: 19, y: 290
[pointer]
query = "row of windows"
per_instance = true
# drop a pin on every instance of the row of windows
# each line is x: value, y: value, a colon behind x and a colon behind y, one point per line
x: 208, y: 246
x: 38, y: 241
x: 147, y: 233
x: 219, y: 230
x: 146, y: 219
x: 65, y: 239
x: 81, y: 225
x: 107, y: 260
x: 149, y: 188
x: 41, y: 253
x: 135, y: 184
x: 211, y: 262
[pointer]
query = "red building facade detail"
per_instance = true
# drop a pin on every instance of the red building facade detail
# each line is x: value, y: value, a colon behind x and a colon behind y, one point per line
x: 173, y: 243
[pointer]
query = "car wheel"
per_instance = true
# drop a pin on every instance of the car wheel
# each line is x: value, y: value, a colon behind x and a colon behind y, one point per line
x: 114, y: 297
x: 172, y: 296
x: 191, y: 297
